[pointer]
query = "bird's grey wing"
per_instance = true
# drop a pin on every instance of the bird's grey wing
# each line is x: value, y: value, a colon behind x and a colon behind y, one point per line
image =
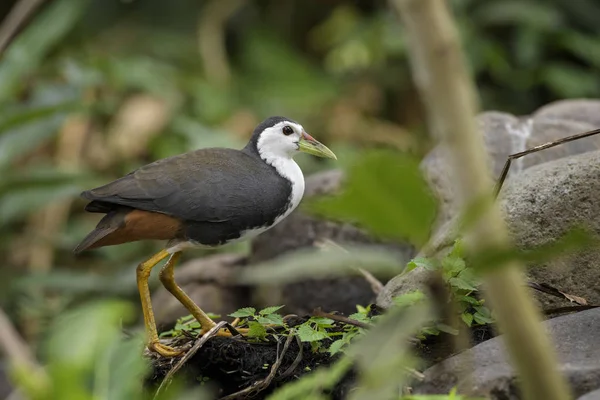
x: 210, y: 185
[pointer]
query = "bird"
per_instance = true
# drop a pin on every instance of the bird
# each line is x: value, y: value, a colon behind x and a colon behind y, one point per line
x: 204, y: 198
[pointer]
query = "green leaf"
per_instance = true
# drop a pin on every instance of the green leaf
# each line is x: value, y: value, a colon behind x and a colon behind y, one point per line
x: 409, y: 299
x: 469, y: 299
x: 460, y: 283
x: 256, y: 330
x: 467, y: 318
x: 322, y: 321
x: 452, y: 266
x: 386, y: 193
x: 483, y: 315
x: 243, y: 312
x: 306, y: 333
x: 270, y: 319
x: 361, y: 317
x: 270, y: 310
x: 422, y: 262
x: 336, y: 346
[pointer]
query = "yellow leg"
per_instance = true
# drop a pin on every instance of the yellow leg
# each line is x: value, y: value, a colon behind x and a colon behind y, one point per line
x: 143, y: 273
x: 167, y: 277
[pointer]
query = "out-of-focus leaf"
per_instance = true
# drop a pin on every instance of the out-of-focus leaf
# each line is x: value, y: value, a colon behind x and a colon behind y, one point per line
x: 79, y: 336
x: 199, y: 135
x: 22, y: 117
x: 279, y: 81
x: 583, y: 46
x: 43, y: 176
x: 14, y: 205
x: 122, y: 283
x: 37, y: 40
x: 571, y: 81
x: 25, y: 130
x: 386, y: 348
x: 385, y: 193
x: 538, y: 15
x: 316, y: 263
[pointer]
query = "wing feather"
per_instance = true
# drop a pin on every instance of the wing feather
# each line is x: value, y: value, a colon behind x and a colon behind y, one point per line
x: 207, y: 185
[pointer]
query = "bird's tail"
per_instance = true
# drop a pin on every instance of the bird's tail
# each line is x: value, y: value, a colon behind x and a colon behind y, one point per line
x: 110, y: 223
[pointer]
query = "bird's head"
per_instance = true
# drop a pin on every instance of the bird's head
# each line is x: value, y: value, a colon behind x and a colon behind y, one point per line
x: 283, y: 137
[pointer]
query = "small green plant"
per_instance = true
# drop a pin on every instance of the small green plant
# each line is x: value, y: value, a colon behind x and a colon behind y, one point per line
x: 186, y: 325
x: 462, y: 282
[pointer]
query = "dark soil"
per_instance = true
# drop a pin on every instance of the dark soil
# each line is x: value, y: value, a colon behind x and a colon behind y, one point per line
x: 228, y: 365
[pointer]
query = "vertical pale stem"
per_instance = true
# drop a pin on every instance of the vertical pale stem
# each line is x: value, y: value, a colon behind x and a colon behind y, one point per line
x: 440, y: 73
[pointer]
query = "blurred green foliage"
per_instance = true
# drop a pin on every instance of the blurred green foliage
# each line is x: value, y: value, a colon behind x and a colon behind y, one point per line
x: 92, y: 89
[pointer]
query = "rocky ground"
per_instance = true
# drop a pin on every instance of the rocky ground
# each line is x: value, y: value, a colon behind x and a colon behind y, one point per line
x: 546, y: 194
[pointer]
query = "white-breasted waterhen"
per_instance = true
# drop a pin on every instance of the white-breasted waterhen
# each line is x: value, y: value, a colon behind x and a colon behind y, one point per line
x: 204, y: 198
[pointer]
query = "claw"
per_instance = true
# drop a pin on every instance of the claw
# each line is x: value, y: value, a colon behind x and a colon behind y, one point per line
x: 164, y: 350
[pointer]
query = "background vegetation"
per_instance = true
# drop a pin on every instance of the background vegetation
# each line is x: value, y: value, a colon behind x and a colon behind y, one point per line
x: 91, y: 89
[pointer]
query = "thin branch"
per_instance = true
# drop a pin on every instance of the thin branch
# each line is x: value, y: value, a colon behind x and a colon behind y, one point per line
x: 318, y: 312
x: 296, y: 362
x: 535, y: 149
x: 14, y: 346
x: 545, y: 288
x: 441, y: 75
x: 199, y: 343
x: 20, y: 12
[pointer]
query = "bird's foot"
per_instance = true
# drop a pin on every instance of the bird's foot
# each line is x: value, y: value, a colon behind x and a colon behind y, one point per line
x: 164, y: 350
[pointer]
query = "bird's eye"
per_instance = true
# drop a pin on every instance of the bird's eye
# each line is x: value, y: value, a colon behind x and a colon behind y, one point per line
x: 287, y: 130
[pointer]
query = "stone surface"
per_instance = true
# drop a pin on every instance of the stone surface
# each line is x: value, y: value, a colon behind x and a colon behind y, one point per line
x: 5, y: 386
x: 576, y: 343
x: 593, y: 395
x: 541, y: 205
x: 546, y: 193
x: 506, y: 134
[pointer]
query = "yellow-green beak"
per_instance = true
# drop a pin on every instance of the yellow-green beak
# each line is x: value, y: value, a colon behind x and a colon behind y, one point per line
x: 310, y: 145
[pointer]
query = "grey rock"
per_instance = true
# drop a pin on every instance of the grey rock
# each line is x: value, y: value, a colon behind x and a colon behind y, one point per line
x: 505, y: 134
x: 593, y: 395
x: 576, y: 343
x: 581, y: 110
x: 6, y: 387
x: 540, y: 206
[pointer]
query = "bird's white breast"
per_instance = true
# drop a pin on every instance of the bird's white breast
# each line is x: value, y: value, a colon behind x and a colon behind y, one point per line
x: 287, y: 168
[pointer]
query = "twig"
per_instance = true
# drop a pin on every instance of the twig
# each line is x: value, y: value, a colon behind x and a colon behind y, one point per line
x: 263, y: 384
x: 13, y: 345
x: 545, y: 288
x: 199, y: 343
x: 318, y: 312
x: 297, y: 361
x: 15, y: 19
x: 536, y: 149
x: 561, y: 310
x: 442, y: 77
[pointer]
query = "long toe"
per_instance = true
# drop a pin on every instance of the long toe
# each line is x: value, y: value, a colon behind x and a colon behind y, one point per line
x: 164, y: 350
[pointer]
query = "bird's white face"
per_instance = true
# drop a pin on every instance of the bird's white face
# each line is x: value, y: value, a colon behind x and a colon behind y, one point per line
x: 280, y: 140
x: 285, y: 139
